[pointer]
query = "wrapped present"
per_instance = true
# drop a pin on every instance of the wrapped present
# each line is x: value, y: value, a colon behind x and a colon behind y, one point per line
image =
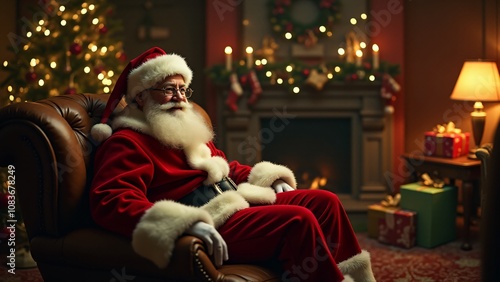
x: 436, y: 209
x: 397, y: 228
x: 446, y: 141
x: 377, y: 211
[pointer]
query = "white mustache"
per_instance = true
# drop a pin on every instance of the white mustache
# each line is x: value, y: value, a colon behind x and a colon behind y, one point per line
x: 170, y: 105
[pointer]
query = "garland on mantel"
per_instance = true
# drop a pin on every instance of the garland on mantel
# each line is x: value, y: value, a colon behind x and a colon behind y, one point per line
x: 295, y: 75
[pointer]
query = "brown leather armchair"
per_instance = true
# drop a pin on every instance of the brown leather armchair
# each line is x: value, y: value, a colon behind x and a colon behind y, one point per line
x: 490, y: 209
x: 48, y: 144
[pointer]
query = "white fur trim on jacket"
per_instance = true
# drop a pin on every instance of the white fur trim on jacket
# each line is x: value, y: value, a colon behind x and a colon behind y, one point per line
x: 265, y: 173
x: 155, y: 235
x: 199, y: 157
x: 359, y: 267
x: 133, y: 118
x: 155, y: 70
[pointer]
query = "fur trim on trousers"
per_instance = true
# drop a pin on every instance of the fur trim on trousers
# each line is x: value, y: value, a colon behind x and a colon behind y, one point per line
x: 358, y: 267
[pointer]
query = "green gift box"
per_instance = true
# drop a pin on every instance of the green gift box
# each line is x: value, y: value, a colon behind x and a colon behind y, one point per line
x: 436, y: 212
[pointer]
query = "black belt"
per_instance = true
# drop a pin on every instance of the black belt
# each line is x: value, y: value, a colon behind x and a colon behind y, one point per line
x: 205, y: 193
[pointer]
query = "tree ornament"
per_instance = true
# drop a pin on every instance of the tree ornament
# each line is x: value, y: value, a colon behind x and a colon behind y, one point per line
x: 103, y: 30
x: 98, y: 69
x: 316, y: 79
x: 122, y: 57
x: 235, y: 92
x: 31, y: 76
x: 75, y: 49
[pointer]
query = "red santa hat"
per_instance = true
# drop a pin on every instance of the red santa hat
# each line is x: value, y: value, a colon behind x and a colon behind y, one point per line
x: 140, y: 74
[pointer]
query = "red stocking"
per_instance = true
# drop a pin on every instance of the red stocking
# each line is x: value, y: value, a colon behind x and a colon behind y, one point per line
x: 234, y: 93
x: 256, y: 89
x: 388, y: 92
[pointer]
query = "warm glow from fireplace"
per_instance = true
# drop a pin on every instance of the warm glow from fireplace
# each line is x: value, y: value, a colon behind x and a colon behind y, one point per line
x: 317, y: 182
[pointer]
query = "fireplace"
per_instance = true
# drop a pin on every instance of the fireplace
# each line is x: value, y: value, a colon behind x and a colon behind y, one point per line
x: 337, y: 139
x: 318, y: 150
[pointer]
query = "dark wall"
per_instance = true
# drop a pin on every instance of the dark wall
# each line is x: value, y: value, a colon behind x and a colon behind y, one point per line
x: 185, y: 23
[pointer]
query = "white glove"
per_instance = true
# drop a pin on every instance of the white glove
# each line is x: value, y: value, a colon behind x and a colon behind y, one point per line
x: 281, y: 186
x: 214, y: 241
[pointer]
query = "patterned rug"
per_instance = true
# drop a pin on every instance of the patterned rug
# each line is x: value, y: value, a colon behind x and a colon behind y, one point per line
x: 390, y: 264
x: 443, y: 263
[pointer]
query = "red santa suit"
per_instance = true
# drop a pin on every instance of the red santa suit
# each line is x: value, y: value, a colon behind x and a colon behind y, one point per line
x: 139, y: 180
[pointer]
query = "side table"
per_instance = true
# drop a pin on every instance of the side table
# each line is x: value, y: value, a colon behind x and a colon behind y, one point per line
x: 463, y: 168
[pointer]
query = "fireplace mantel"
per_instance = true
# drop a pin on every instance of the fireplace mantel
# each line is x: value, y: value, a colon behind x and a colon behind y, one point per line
x: 359, y: 101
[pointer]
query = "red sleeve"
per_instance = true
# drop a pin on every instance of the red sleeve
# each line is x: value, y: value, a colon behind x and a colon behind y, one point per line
x: 122, y: 172
x: 237, y: 172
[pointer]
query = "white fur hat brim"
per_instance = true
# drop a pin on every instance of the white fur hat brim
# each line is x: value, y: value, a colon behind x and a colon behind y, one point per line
x: 155, y: 70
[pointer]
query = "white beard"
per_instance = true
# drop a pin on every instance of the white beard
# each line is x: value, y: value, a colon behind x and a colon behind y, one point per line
x: 180, y: 129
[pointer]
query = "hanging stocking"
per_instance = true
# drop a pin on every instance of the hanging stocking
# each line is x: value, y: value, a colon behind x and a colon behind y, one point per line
x: 256, y: 89
x: 388, y: 92
x: 235, y: 93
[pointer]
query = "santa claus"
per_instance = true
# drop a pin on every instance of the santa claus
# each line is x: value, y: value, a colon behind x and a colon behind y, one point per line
x: 158, y: 175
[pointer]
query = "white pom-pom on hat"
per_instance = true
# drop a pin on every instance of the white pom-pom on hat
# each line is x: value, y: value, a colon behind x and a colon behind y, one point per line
x: 101, y: 132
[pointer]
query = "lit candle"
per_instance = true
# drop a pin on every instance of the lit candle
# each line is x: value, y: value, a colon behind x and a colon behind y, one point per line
x: 359, y: 57
x: 375, y: 62
x: 249, y: 51
x: 229, y: 60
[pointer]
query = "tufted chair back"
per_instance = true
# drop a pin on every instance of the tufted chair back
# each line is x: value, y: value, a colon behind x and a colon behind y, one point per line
x: 47, y: 143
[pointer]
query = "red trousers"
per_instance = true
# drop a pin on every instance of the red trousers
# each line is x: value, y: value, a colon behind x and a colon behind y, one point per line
x: 306, y: 231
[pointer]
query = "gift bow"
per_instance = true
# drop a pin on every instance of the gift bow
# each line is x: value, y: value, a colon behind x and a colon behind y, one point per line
x: 428, y: 181
x: 447, y: 128
x: 391, y: 201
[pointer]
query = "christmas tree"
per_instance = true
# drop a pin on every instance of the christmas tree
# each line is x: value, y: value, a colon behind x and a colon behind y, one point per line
x: 68, y: 47
x: 65, y: 49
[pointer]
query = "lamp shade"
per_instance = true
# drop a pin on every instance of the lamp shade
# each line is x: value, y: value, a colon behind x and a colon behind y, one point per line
x: 478, y: 81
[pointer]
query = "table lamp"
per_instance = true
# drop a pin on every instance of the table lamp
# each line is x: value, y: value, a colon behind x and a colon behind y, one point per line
x: 478, y: 82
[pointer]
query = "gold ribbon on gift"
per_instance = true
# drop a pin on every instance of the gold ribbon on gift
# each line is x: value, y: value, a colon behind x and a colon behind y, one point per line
x: 390, y: 201
x: 440, y: 130
x: 446, y: 128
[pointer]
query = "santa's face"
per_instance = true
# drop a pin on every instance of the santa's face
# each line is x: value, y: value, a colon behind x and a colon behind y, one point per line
x: 172, y: 120
x: 159, y: 97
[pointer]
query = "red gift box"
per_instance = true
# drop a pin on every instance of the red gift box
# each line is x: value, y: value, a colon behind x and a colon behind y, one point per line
x: 448, y: 145
x: 397, y: 228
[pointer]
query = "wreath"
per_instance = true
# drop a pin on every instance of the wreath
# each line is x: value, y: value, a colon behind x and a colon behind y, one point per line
x: 284, y: 24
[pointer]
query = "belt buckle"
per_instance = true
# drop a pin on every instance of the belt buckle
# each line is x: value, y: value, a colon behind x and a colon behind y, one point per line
x: 217, y: 188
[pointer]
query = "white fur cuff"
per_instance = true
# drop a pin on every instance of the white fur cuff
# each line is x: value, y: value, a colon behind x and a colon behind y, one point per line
x: 257, y: 195
x: 224, y: 206
x: 155, y: 235
x: 359, y: 267
x: 265, y: 173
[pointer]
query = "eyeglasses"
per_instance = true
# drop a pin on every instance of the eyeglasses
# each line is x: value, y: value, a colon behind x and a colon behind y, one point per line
x: 169, y: 91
